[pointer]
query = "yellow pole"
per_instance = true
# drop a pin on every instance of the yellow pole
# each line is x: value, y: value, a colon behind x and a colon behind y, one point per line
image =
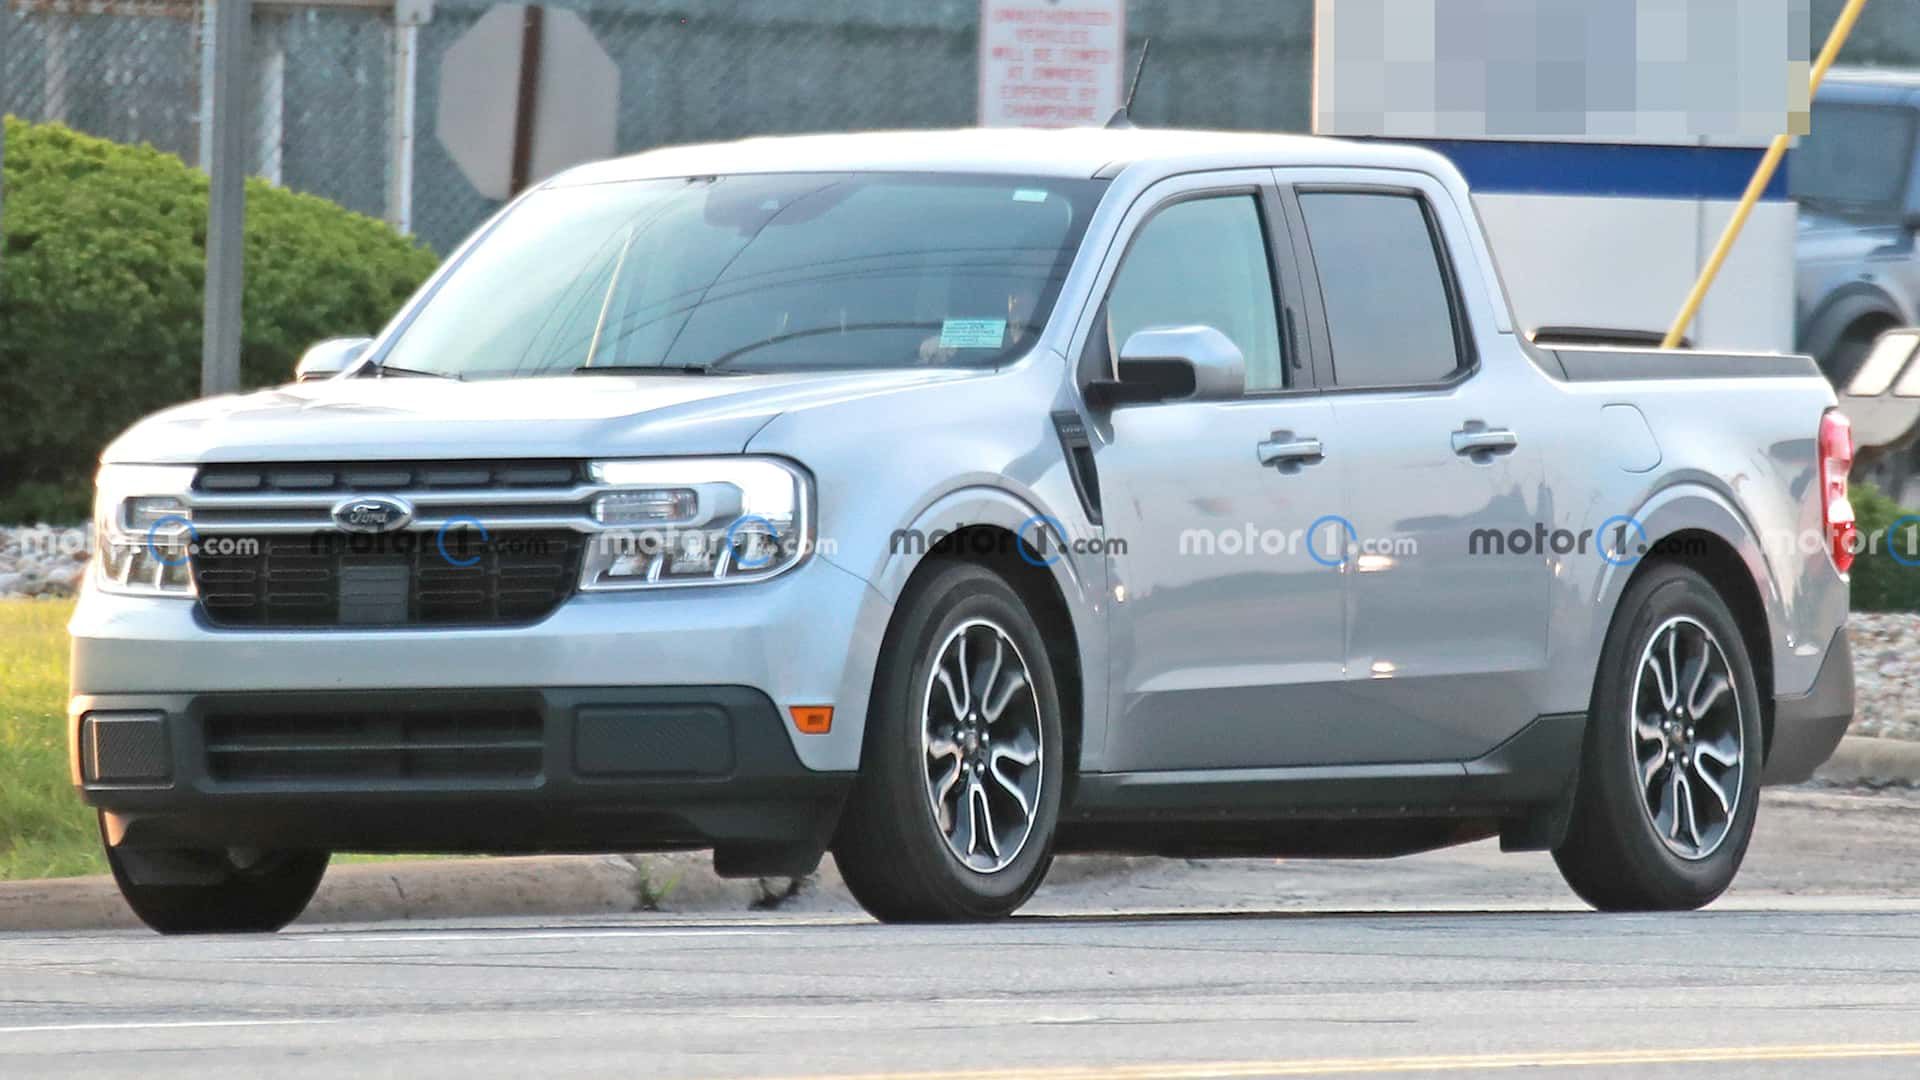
x: 1758, y: 185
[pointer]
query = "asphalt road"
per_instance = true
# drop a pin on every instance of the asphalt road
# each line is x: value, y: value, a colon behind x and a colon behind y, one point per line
x: 1404, y: 969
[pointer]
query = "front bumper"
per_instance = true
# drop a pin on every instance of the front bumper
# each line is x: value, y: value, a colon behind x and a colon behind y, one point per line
x: 498, y: 770
x: 621, y: 722
x: 809, y: 637
x: 1807, y: 727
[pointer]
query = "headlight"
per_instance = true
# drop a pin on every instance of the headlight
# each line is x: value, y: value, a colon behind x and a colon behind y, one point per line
x: 693, y: 521
x: 143, y: 531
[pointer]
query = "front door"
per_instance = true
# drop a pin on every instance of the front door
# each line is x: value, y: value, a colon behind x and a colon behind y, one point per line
x: 1226, y: 619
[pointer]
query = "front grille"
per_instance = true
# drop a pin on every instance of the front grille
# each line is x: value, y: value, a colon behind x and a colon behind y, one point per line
x: 484, y: 744
x: 272, y: 554
x: 396, y: 579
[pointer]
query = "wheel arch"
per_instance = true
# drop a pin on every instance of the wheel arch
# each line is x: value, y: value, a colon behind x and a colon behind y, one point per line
x: 1017, y: 563
x: 1700, y: 525
x: 990, y: 527
x: 1713, y: 557
x: 1852, y: 306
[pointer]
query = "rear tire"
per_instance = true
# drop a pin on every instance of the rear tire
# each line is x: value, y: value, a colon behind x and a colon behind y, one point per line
x: 1843, y: 361
x: 263, y: 895
x: 953, y: 813
x: 1670, y: 776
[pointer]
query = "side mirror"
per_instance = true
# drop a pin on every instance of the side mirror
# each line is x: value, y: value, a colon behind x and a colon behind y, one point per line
x: 329, y: 358
x: 1186, y: 363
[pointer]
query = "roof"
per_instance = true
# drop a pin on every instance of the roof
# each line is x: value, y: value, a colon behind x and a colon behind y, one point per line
x: 1901, y: 77
x: 1893, y: 86
x: 1064, y: 153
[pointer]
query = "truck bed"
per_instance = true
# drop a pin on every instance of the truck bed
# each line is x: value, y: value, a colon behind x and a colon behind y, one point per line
x: 1597, y: 363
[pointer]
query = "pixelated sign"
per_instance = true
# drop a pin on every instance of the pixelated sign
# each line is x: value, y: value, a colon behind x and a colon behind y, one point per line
x: 1051, y: 63
x: 1644, y: 71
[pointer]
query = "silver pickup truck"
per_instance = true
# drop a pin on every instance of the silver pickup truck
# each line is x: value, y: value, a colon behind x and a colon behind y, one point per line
x: 952, y: 500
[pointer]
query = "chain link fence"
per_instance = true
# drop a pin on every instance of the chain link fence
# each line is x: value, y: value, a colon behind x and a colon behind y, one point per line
x: 344, y: 95
x: 137, y: 71
x: 695, y: 72
x: 322, y: 113
x: 343, y: 98
x: 129, y: 73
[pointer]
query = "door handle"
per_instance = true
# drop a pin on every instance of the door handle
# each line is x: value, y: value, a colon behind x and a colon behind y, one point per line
x: 1286, y: 448
x: 1477, y: 438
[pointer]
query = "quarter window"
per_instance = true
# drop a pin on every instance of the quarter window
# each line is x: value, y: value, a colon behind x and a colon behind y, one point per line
x: 1202, y: 262
x: 1389, y: 313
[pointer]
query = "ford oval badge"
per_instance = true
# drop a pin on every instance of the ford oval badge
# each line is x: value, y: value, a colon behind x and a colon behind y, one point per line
x: 372, y: 514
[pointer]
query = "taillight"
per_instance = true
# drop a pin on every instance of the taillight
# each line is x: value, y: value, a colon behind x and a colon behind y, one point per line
x: 1836, y: 512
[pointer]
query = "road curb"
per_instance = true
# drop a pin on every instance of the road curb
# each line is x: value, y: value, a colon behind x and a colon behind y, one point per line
x: 368, y: 892
x: 442, y: 889
x: 1862, y: 759
x: 540, y: 886
x: 684, y: 882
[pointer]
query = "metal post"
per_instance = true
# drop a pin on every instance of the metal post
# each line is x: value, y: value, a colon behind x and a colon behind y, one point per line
x: 58, y: 73
x: 208, y: 13
x: 270, y: 35
x: 228, y: 148
x: 528, y: 100
x: 404, y: 61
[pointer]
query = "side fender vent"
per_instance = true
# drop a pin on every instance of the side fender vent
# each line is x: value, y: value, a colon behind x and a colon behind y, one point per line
x: 1079, y: 450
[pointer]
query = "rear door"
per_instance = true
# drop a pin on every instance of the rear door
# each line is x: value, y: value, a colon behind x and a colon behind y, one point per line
x: 1446, y: 630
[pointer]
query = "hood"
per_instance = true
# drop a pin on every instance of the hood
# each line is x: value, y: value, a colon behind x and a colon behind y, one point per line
x: 1828, y: 236
x: 562, y: 416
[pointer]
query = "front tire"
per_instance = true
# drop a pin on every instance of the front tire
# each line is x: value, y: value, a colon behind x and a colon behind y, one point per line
x: 1670, y: 778
x: 232, y: 894
x: 953, y: 814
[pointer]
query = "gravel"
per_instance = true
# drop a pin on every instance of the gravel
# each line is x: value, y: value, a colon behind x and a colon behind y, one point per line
x: 1886, y: 674
x: 42, y: 560
x: 48, y: 560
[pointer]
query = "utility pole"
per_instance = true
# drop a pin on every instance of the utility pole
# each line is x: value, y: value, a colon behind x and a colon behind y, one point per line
x: 228, y: 25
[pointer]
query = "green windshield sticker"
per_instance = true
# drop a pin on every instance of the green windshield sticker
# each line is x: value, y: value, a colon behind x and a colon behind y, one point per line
x: 972, y: 333
x: 1029, y: 195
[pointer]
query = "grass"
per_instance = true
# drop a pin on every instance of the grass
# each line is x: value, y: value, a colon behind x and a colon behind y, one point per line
x: 45, y: 830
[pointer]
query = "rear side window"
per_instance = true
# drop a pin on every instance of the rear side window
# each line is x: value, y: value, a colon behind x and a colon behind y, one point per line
x: 1389, y: 313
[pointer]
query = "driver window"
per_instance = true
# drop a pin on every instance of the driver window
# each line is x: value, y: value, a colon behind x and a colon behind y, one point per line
x: 1202, y: 262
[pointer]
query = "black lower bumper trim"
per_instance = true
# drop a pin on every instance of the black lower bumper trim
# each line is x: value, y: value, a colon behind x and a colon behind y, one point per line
x: 1808, y: 726
x: 474, y: 771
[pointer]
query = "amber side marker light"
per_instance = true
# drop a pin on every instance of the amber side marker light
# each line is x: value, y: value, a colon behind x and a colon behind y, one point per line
x: 812, y: 719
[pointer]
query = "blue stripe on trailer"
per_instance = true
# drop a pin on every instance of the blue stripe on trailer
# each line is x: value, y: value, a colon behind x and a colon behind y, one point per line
x: 1619, y: 170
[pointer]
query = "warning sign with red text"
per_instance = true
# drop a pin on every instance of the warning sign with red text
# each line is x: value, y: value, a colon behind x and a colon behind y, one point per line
x: 1051, y: 63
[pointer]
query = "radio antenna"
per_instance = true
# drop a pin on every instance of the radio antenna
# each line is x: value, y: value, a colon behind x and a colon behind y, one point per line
x: 1139, y: 67
x: 1121, y: 117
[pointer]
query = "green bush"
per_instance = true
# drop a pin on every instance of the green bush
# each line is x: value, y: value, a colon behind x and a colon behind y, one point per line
x: 36, y: 502
x: 1880, y: 581
x: 102, y: 262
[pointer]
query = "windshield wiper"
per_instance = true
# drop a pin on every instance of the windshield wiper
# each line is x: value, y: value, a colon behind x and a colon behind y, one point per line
x: 382, y: 370
x: 646, y: 369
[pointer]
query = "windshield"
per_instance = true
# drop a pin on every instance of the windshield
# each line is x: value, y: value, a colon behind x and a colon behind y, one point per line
x: 1855, y: 159
x: 756, y: 273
